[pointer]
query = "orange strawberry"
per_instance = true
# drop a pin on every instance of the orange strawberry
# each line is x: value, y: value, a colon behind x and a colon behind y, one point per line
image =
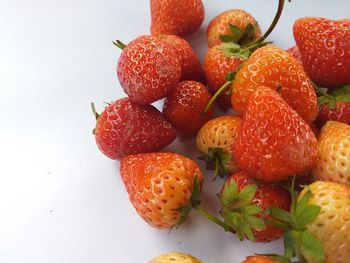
x: 295, y: 52
x: 175, y: 257
x: 163, y: 187
x: 216, y: 140
x: 234, y: 25
x: 275, y: 68
x: 334, y: 153
x: 260, y: 259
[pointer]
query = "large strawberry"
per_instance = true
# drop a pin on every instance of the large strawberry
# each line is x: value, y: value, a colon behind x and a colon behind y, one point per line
x: 175, y: 257
x: 218, y: 62
x: 334, y: 153
x: 176, y: 17
x: 275, y: 68
x: 234, y: 25
x: 148, y: 69
x: 184, y: 107
x: 216, y: 140
x: 125, y: 127
x: 163, y: 187
x: 190, y: 65
x: 274, y: 141
x: 324, y: 46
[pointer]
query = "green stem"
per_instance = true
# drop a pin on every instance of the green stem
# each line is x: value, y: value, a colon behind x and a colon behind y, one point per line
x: 94, y: 111
x: 216, y: 170
x: 256, y: 45
x: 216, y: 95
x: 215, y: 219
x: 119, y: 44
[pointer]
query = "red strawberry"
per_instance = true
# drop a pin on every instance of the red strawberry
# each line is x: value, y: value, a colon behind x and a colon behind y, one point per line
x: 273, y: 67
x: 295, y: 52
x: 234, y: 25
x: 148, y: 69
x: 274, y: 141
x: 261, y: 259
x: 190, y: 65
x: 324, y: 45
x: 162, y: 187
x: 184, y: 107
x: 176, y: 17
x: 218, y: 62
x: 244, y: 201
x: 125, y: 127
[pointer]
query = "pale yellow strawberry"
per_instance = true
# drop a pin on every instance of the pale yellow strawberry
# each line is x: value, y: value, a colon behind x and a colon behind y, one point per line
x: 332, y: 226
x: 334, y: 153
x: 175, y: 257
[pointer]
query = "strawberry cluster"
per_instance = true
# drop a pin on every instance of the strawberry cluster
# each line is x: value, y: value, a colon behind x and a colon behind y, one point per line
x: 269, y: 146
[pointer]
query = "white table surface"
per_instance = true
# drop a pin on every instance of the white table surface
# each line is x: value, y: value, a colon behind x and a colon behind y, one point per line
x: 61, y: 200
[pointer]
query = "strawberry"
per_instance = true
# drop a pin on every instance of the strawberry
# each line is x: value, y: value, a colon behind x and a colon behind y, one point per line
x: 162, y: 187
x: 148, y: 69
x: 324, y: 46
x: 243, y: 204
x: 332, y: 225
x: 334, y: 106
x: 295, y: 52
x: 274, y: 141
x: 275, y: 68
x: 184, y: 107
x: 218, y: 62
x: 175, y: 257
x: 190, y: 65
x: 334, y: 153
x: 125, y: 127
x: 176, y: 17
x: 261, y: 259
x: 234, y: 25
x: 216, y: 140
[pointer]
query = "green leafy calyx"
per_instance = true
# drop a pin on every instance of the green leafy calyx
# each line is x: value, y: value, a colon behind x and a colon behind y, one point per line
x: 216, y: 160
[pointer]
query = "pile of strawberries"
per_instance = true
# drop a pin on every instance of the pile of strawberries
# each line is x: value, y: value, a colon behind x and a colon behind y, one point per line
x: 268, y: 150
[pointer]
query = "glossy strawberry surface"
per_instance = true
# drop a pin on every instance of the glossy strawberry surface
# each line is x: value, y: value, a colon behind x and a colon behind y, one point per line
x: 340, y: 113
x: 295, y: 52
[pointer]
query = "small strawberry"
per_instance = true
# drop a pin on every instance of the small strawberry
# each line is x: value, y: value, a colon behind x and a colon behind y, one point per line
x: 332, y: 226
x: 324, y: 46
x: 275, y: 68
x: 234, y: 25
x: 163, y: 187
x: 333, y: 162
x: 295, y: 52
x: 176, y: 17
x: 175, y: 257
x: 125, y: 127
x: 190, y: 65
x: 218, y: 62
x: 184, y: 107
x: 334, y: 106
x: 262, y: 259
x: 216, y: 140
x: 148, y: 69
x: 274, y: 142
x: 243, y: 204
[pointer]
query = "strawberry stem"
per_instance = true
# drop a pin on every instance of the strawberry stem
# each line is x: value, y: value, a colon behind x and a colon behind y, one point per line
x: 216, y: 95
x: 94, y: 111
x: 215, y: 219
x: 119, y: 44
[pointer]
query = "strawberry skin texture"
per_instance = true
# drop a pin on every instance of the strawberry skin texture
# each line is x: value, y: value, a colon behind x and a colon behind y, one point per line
x: 220, y: 25
x: 175, y: 257
x: 148, y: 69
x: 340, y: 113
x: 125, y: 127
x: 334, y: 153
x: 158, y: 184
x: 216, y: 67
x: 272, y: 67
x: 259, y: 259
x: 295, y: 52
x: 176, y: 17
x: 324, y: 45
x: 332, y: 226
x: 184, y: 107
x: 274, y: 141
x: 190, y: 65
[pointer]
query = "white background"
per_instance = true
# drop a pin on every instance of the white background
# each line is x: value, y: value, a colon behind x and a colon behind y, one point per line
x: 60, y: 199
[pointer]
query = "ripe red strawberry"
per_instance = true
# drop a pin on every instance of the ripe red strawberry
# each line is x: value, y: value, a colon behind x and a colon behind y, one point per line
x: 295, y: 52
x: 148, y: 69
x: 334, y: 106
x: 190, y: 65
x: 184, y: 107
x: 274, y: 141
x: 232, y: 25
x: 275, y: 68
x: 176, y: 17
x: 261, y: 259
x: 324, y: 46
x: 218, y: 62
x: 125, y: 127
x: 243, y: 203
x: 162, y: 187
